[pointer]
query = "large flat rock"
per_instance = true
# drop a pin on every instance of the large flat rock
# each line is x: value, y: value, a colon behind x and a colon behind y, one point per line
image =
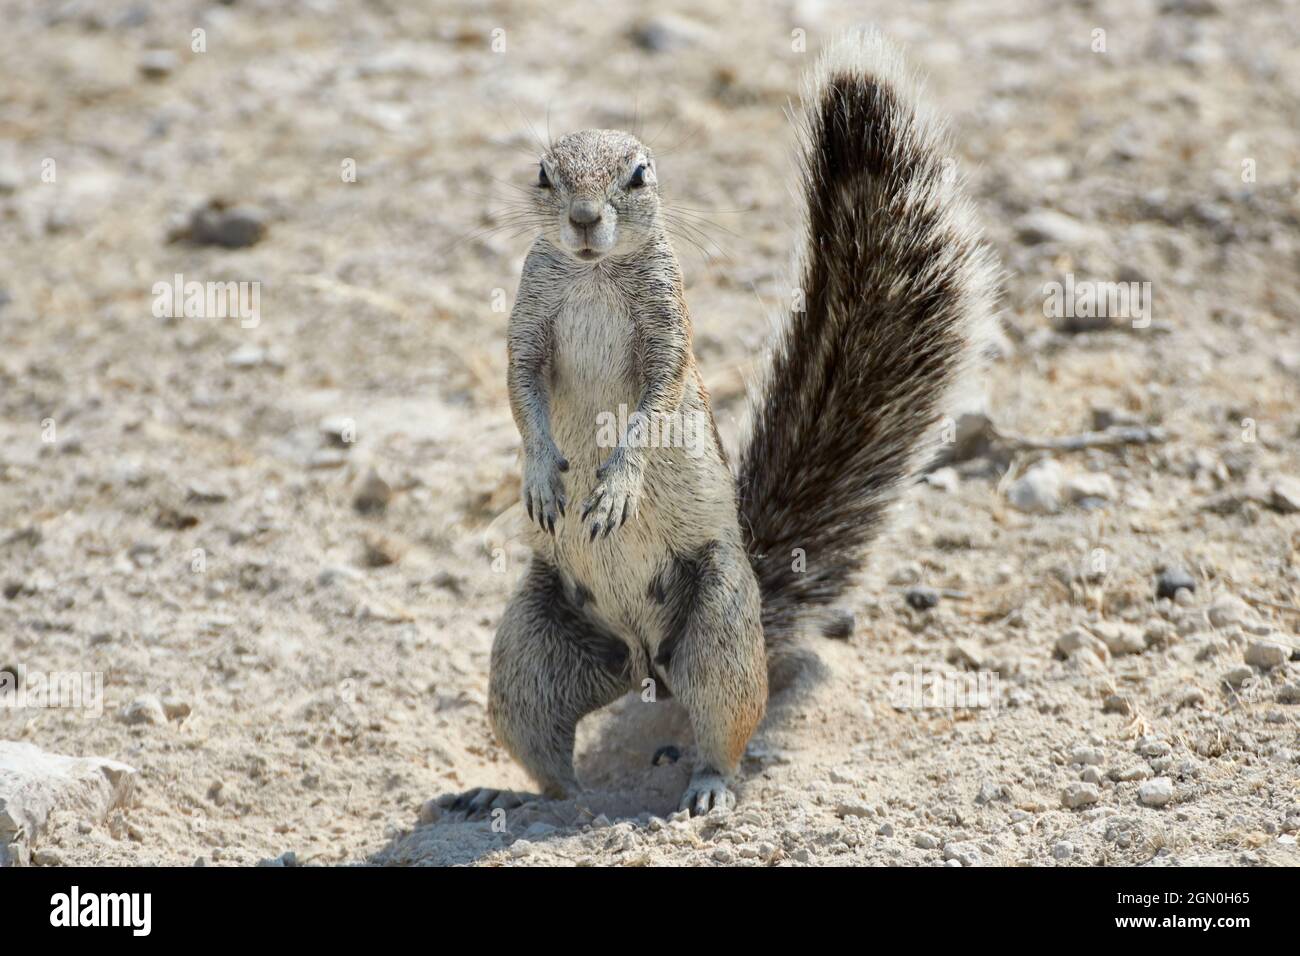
x: 34, y: 783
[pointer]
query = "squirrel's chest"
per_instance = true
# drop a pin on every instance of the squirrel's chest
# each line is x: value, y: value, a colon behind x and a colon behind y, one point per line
x: 592, y: 356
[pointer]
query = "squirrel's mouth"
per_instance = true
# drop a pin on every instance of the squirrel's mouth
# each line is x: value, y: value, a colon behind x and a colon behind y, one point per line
x: 588, y: 255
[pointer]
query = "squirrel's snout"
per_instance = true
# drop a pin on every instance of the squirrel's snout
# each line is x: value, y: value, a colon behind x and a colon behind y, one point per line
x: 584, y: 212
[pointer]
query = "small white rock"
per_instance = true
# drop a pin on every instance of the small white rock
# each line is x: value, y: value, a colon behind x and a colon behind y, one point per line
x: 1080, y: 795
x: 1267, y: 654
x: 1284, y: 495
x: 1037, y: 491
x: 1227, y: 610
x: 1090, y: 485
x: 1157, y: 792
x: 1076, y: 640
x: 1120, y: 638
x: 145, y: 709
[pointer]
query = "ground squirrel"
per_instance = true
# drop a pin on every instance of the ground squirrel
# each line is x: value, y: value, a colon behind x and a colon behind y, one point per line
x: 652, y: 560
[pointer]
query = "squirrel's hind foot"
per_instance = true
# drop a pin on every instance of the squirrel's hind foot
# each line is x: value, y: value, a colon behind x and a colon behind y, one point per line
x: 479, y: 803
x: 707, y: 791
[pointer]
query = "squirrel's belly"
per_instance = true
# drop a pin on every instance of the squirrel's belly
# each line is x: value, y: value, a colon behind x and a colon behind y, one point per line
x: 685, y: 504
x: 687, y: 496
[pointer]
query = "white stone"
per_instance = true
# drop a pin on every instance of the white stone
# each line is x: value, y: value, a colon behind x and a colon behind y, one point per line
x: 1037, y: 491
x: 34, y: 783
x: 1157, y: 792
x: 1080, y: 795
x: 1090, y: 485
x: 1267, y: 654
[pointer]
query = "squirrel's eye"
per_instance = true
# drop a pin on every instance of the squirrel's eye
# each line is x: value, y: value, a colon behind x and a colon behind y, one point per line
x: 638, y: 177
x: 542, y: 180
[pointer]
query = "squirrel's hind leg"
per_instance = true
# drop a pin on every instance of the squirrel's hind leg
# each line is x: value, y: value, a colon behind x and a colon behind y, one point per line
x: 716, y: 665
x: 551, y: 666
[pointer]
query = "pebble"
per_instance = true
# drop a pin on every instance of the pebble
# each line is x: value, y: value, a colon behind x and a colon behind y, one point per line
x: 1098, y: 486
x: 1284, y: 495
x: 1116, y: 704
x: 145, y: 709
x: 1238, y: 676
x: 723, y: 854
x: 338, y: 430
x: 904, y: 574
x: 1038, y: 490
x: 374, y: 494
x: 1139, y: 771
x: 1120, y: 638
x: 1080, y: 795
x: 1152, y: 747
x: 157, y: 64
x: 926, y: 841
x: 922, y: 599
x: 284, y: 859
x: 962, y: 854
x: 381, y: 550
x: 1048, y: 225
x: 1267, y: 654
x: 1091, y: 775
x: 1077, y: 639
x: 1157, y: 792
x: 989, y: 792
x: 247, y: 355
x: 1063, y: 850
x: 1194, y: 697
x: 1226, y: 611
x: 666, y: 33
x: 47, y: 856
x: 231, y: 227
x: 1088, y: 756
x: 1172, y: 580
x: 967, y: 653
x: 520, y: 849
x: 539, y: 831
x: 885, y: 830
x: 943, y: 479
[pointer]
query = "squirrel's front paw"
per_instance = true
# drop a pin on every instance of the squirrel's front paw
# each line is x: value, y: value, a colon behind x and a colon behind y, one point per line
x: 615, y: 497
x: 543, y: 489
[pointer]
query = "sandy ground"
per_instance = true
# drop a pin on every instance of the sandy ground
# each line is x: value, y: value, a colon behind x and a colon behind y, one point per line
x: 177, y: 493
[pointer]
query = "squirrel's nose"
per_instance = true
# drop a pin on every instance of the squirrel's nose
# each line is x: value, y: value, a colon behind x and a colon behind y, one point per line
x: 584, y: 212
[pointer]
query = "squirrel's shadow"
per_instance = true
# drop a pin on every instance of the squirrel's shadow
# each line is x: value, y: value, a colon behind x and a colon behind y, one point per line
x: 615, y: 760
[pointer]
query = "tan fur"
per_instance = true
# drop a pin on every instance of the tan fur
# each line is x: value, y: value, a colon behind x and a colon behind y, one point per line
x: 647, y: 563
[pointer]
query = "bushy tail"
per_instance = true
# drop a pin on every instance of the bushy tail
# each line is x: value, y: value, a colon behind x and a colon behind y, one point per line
x: 897, y: 292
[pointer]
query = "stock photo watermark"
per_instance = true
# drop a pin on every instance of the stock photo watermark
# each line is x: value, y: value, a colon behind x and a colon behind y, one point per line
x: 22, y: 688
x: 921, y: 689
x: 193, y: 299
x: 1088, y: 299
x: 680, y: 429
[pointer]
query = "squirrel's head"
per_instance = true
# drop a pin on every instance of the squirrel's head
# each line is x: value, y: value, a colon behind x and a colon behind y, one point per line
x: 597, y: 190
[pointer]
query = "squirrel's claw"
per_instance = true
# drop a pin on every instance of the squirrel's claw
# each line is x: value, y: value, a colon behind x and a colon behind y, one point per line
x: 707, y: 791
x: 543, y: 491
x: 608, y: 511
x: 614, y: 499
